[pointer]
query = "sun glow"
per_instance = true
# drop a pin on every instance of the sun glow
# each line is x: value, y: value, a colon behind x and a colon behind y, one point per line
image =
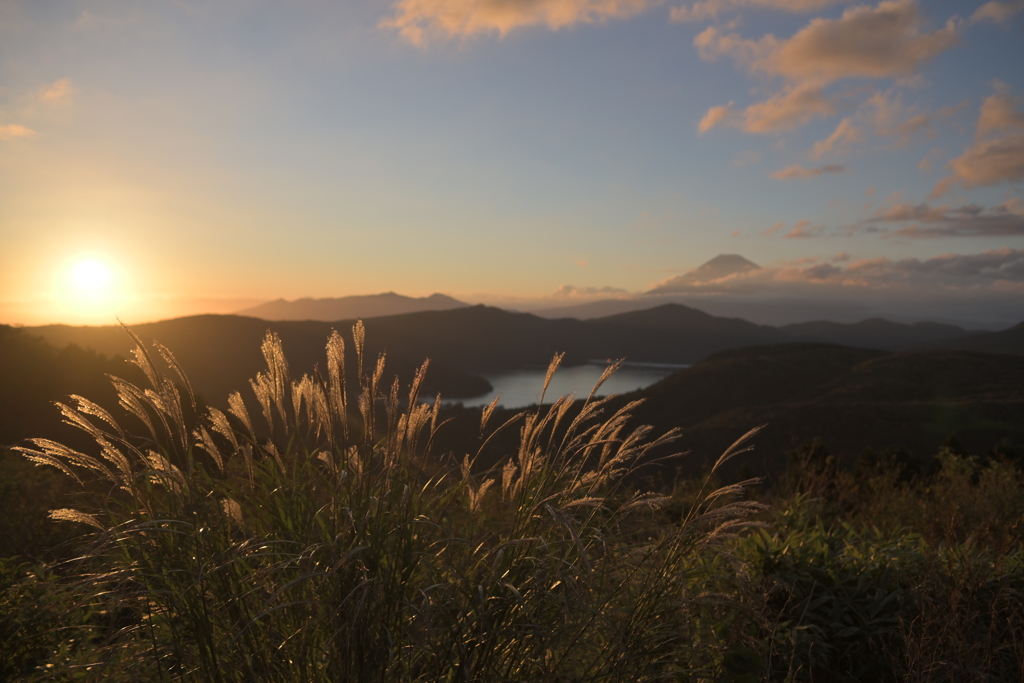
x: 89, y: 289
x: 91, y: 276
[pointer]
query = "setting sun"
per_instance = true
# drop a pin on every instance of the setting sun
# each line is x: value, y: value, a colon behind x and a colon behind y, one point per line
x: 90, y: 288
x: 91, y: 277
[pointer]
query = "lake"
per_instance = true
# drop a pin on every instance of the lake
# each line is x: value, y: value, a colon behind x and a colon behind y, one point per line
x: 520, y: 388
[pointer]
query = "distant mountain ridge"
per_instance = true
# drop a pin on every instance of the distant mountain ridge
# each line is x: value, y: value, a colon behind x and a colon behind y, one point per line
x: 350, y: 307
x: 1009, y: 341
x: 466, y: 343
x: 874, y: 333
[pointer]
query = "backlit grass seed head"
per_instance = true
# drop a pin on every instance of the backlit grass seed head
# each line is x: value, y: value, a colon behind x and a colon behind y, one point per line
x: 70, y: 515
x: 336, y: 378
x: 219, y: 423
x: 344, y: 536
x: 236, y: 406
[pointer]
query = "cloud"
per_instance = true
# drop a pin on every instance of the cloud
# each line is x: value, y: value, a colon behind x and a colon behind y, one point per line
x: 710, y: 9
x: 889, y: 40
x: 13, y: 131
x: 889, y: 117
x: 996, y: 12
x: 988, y: 162
x: 886, y: 41
x: 711, y: 44
x: 885, y: 114
x: 804, y: 229
x: 997, y: 270
x: 715, y: 116
x: 572, y: 292
x: 999, y: 113
x: 789, y: 109
x: 419, y: 21
x: 997, y: 154
x: 952, y: 269
x: 865, y: 42
x: 58, y: 93
x: 970, y: 220
x: 926, y: 163
x: 799, y: 172
x: 844, y: 135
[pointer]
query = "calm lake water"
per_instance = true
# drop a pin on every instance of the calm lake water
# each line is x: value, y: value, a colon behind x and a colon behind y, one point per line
x: 521, y: 388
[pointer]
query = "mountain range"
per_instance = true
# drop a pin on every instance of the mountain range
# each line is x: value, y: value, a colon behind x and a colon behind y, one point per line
x: 466, y: 343
x: 350, y: 307
x: 888, y: 384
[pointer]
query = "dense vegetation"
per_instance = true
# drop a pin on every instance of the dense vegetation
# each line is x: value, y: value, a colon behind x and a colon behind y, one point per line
x: 320, y: 533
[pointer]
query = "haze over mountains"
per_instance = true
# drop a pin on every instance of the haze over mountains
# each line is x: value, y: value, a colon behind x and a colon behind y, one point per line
x: 728, y: 285
x: 942, y: 289
x: 350, y: 307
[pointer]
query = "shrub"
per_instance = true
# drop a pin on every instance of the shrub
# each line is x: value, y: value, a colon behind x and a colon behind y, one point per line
x: 829, y: 600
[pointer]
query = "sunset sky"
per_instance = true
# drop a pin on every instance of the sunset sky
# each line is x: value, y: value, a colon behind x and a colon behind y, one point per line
x: 168, y: 158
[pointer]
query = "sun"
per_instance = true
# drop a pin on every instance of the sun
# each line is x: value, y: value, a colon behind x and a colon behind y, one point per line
x: 90, y: 288
x: 91, y: 277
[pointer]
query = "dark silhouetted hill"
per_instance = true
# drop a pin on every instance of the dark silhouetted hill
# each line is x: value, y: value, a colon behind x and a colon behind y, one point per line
x: 851, y: 398
x: 873, y: 333
x: 222, y: 352
x: 34, y: 374
x: 1009, y: 341
x: 673, y: 333
x: 350, y: 307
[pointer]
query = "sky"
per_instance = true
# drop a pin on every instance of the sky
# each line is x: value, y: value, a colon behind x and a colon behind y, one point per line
x: 180, y: 157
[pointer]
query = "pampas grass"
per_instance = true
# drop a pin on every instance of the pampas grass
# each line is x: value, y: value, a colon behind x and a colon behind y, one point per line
x: 307, y: 535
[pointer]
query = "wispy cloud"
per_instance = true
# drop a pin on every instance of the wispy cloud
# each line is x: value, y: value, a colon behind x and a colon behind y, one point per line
x: 999, y: 113
x: 798, y: 172
x: 14, y: 131
x: 889, y: 40
x: 804, y: 229
x: 789, y: 109
x: 997, y: 12
x: 886, y: 41
x: 420, y: 21
x: 711, y: 9
x: 998, y: 270
x: 884, y: 114
x: 997, y: 153
x: 845, y: 134
x: 57, y: 93
x: 716, y: 115
x: 571, y: 292
x: 1004, y: 264
x: 970, y: 220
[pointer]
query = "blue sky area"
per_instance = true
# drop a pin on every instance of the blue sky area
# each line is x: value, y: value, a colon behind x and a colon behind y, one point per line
x: 206, y: 155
